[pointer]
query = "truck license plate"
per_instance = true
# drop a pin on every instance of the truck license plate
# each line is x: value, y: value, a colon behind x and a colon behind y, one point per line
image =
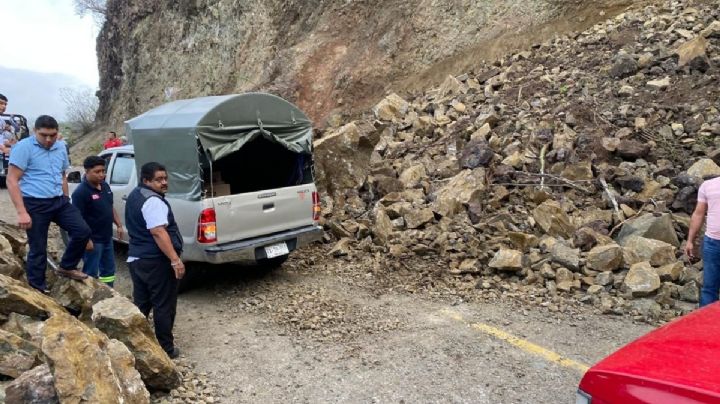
x: 276, y: 250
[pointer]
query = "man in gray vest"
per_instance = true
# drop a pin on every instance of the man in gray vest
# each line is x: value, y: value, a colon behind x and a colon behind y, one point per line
x: 154, y: 252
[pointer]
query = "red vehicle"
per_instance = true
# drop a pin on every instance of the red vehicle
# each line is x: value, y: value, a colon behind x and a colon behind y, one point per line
x: 678, y: 363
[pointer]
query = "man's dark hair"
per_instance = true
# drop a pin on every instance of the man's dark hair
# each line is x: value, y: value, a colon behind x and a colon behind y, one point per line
x: 113, y: 133
x: 93, y: 161
x: 46, y: 122
x: 3, y: 98
x: 148, y: 170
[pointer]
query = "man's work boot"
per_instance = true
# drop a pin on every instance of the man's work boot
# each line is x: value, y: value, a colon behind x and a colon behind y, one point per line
x: 72, y: 274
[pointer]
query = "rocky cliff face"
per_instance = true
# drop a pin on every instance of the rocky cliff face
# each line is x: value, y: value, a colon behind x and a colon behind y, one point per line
x: 327, y: 56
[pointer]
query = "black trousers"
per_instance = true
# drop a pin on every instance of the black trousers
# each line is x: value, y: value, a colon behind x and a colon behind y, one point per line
x: 155, y: 288
x: 60, y: 211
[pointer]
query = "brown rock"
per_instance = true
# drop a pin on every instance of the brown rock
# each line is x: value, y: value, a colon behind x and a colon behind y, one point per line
x: 79, y: 362
x: 693, y: 54
x: 16, y: 297
x: 507, y: 260
x: 551, y: 217
x: 641, y: 280
x: 632, y: 149
x: 416, y: 218
x: 383, y: 228
x: 392, y: 107
x: 17, y: 355
x: 118, y: 318
x: 36, y: 386
x: 460, y: 190
x: 566, y: 256
x: 604, y: 278
x: 605, y: 258
x: 341, y: 248
x: 670, y: 272
x: 523, y: 241
x: 690, y: 292
x: 80, y: 296
x: 580, y: 171
x: 411, y: 177
x: 123, y: 364
x: 704, y: 168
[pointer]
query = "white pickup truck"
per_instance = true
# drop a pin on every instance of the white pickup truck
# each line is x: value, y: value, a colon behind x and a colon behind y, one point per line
x: 253, y: 201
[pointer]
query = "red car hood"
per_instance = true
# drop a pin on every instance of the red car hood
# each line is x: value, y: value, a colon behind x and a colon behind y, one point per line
x: 682, y: 355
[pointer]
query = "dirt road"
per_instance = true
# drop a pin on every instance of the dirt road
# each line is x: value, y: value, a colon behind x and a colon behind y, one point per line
x: 311, y: 333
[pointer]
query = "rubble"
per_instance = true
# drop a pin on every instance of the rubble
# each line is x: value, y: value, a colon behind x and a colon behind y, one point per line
x: 583, y: 156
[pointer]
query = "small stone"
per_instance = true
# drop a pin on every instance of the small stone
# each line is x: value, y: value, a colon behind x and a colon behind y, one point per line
x: 693, y: 54
x: 660, y: 84
x: 670, y: 272
x: 624, y: 66
x: 595, y: 289
x: 604, y: 278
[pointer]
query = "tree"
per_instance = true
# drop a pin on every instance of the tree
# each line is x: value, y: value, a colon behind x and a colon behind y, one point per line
x: 97, y: 8
x: 81, y: 104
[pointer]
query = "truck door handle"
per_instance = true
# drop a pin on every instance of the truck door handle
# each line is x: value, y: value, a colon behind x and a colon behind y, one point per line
x: 268, y: 206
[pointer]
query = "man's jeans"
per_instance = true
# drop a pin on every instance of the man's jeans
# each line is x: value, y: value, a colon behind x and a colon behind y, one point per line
x: 57, y: 210
x: 711, y: 271
x: 100, y: 262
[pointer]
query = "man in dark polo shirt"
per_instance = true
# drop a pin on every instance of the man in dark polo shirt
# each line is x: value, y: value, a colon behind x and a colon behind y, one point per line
x: 94, y: 200
x: 154, y: 252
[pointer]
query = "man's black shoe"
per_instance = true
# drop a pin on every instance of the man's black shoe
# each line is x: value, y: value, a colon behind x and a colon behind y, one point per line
x: 174, y: 353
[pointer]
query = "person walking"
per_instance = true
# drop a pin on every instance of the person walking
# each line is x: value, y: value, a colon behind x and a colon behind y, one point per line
x: 708, y: 206
x: 154, y: 252
x: 38, y: 189
x: 94, y: 199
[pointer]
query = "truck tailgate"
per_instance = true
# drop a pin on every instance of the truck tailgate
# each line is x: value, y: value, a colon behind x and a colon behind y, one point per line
x: 265, y: 212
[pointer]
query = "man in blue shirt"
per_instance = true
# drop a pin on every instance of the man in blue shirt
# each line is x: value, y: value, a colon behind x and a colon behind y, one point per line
x: 38, y: 188
x: 94, y: 200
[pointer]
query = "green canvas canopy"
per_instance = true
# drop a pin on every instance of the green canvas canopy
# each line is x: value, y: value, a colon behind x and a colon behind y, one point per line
x: 182, y: 134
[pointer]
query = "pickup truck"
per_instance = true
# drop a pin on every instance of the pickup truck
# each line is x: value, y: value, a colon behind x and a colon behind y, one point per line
x: 253, y: 204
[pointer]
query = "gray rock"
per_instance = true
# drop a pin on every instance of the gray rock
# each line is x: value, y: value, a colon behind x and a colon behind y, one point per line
x: 690, y: 292
x: 35, y: 386
x: 632, y: 149
x: 605, y: 258
x: 476, y: 154
x: 624, y: 66
x: 604, y: 278
x: 650, y: 226
x: 566, y: 256
x: 638, y: 249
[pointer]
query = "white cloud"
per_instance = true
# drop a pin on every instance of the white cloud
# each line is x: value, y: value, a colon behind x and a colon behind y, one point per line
x: 47, y: 36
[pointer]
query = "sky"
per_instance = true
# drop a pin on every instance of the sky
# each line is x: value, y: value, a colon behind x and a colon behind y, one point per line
x: 50, y: 38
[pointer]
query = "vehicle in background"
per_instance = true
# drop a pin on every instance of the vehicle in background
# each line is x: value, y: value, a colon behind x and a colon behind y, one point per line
x: 241, y: 176
x: 673, y: 364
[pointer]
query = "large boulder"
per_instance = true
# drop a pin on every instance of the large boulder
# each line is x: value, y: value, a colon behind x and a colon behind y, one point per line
x: 17, y: 355
x: 605, y: 258
x: 507, y: 260
x: 650, y: 226
x: 79, y: 296
x: 551, y: 217
x: 123, y: 364
x: 656, y: 252
x: 16, y: 297
x: 704, y: 168
x: 36, y: 386
x: 342, y: 158
x: 120, y: 319
x: 459, y: 191
x: 80, y: 363
x: 641, y: 280
x: 392, y: 107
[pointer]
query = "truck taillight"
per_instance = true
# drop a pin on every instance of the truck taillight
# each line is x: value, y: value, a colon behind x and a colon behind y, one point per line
x: 207, y: 228
x: 316, y: 206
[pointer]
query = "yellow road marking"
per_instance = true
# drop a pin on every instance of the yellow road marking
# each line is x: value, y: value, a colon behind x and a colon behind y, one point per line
x: 522, y: 344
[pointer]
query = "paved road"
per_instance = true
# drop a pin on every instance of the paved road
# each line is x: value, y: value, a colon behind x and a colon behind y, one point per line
x: 304, y: 334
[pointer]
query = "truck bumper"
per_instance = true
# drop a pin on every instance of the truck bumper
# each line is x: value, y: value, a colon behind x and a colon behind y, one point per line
x: 252, y: 250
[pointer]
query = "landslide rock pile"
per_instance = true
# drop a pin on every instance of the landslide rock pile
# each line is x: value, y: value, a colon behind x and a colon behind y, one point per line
x: 565, y: 172
x: 83, y: 343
